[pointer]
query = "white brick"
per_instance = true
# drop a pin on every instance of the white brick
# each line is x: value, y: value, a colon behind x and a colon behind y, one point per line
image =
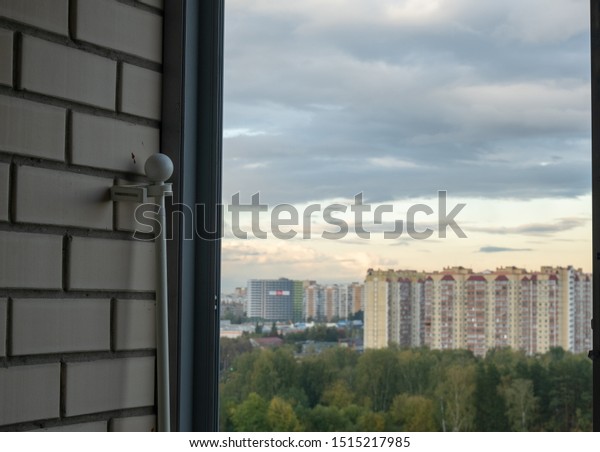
x: 67, y: 73
x: 155, y: 3
x: 4, y: 181
x: 116, y: 264
x: 29, y: 393
x: 30, y: 128
x: 108, y: 143
x: 108, y: 23
x: 86, y: 427
x: 133, y: 424
x: 6, y: 56
x: 141, y: 92
x: 134, y: 325
x: 111, y: 384
x: 52, y: 326
x: 50, y: 15
x: 3, y: 325
x: 63, y: 198
x: 30, y: 261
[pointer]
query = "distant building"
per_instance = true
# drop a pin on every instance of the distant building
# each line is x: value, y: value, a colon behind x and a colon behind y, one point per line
x: 275, y: 299
x: 457, y: 308
x: 332, y: 301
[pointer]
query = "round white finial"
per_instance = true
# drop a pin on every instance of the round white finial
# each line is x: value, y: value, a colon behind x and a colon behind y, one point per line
x: 158, y: 167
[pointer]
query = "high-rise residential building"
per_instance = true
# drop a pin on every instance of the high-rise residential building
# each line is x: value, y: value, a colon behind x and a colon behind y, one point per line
x: 275, y: 299
x: 458, y: 308
x: 332, y: 301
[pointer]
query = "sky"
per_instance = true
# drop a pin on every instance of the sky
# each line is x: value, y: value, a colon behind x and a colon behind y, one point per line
x: 397, y: 100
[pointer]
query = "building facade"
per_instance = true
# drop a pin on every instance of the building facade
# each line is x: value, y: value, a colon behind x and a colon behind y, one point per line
x: 458, y: 308
x: 275, y: 299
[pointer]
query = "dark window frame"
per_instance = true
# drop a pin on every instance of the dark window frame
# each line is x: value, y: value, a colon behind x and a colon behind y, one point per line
x: 595, y: 104
x: 192, y: 136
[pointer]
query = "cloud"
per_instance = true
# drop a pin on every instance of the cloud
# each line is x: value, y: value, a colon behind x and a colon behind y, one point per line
x: 402, y: 98
x: 540, y: 229
x: 500, y: 249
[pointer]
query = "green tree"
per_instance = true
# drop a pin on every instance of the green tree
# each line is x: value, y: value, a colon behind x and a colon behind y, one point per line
x: 412, y: 413
x: 490, y: 409
x: 251, y: 415
x: 338, y: 395
x: 455, y: 393
x: 378, y: 377
x: 520, y: 402
x: 281, y: 416
x: 371, y: 422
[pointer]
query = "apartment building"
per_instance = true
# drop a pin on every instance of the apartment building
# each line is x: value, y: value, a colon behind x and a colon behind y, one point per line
x: 458, y: 308
x: 332, y: 301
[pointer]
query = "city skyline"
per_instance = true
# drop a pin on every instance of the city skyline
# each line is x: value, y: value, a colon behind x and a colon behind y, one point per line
x: 398, y: 100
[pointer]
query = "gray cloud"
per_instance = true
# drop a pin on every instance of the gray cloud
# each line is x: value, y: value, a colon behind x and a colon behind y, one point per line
x: 500, y: 249
x: 542, y: 229
x: 471, y: 99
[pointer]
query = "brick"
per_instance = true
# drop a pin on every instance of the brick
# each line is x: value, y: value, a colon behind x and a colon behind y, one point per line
x: 63, y: 198
x: 52, y: 16
x: 141, y: 92
x: 6, y: 56
x: 108, y: 143
x: 108, y: 23
x: 53, y: 326
x: 116, y: 264
x: 133, y: 424
x: 134, y: 324
x: 30, y: 261
x: 3, y: 325
x: 4, y: 184
x: 68, y: 73
x: 110, y: 384
x: 99, y: 426
x: 154, y: 3
x: 29, y: 128
x: 29, y: 393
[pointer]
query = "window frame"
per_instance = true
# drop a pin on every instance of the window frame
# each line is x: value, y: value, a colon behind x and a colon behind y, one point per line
x: 192, y: 105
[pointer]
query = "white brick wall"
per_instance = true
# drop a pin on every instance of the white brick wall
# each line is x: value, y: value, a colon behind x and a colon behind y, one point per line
x: 116, y: 265
x: 32, y: 261
x: 117, y: 26
x: 4, y: 181
x: 67, y: 73
x: 60, y: 326
x: 49, y: 15
x: 86, y: 427
x: 106, y: 143
x: 6, y: 56
x: 135, y: 324
x: 31, y: 128
x: 81, y: 93
x: 133, y: 424
x: 29, y: 393
x: 58, y: 197
x: 111, y: 384
x: 141, y: 92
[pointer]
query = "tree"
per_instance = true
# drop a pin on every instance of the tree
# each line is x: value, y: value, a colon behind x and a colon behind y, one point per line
x: 378, y: 377
x: 490, y: 409
x: 455, y: 393
x: 520, y: 402
x: 251, y: 415
x: 412, y: 413
x: 281, y: 416
x: 371, y: 422
x: 338, y: 395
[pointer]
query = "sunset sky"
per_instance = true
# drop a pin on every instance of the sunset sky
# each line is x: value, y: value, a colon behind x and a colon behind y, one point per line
x: 397, y: 100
